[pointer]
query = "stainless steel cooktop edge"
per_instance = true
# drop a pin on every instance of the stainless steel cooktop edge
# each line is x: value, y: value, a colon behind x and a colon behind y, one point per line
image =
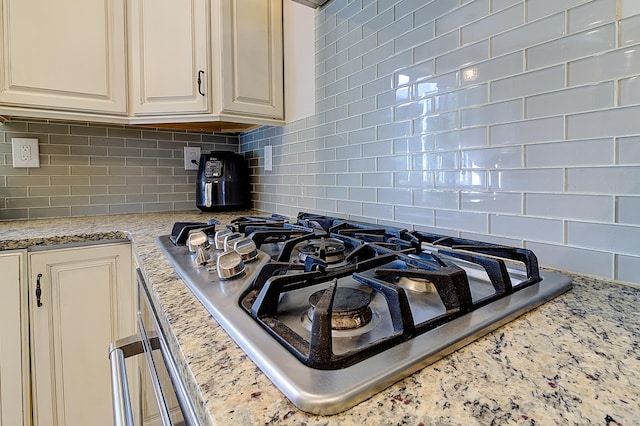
x: 327, y: 392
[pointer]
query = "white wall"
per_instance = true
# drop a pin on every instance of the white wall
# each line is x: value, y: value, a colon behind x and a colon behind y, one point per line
x: 299, y: 61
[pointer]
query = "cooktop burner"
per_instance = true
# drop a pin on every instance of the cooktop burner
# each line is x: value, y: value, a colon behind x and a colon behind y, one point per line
x: 333, y: 310
x: 329, y: 250
x: 350, y: 308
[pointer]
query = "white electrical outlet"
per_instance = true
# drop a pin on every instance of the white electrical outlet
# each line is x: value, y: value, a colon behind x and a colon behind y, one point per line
x: 191, y: 157
x: 25, y: 152
x: 268, y: 157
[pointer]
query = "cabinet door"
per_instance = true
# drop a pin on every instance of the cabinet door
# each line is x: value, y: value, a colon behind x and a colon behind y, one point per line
x: 169, y: 54
x: 252, y: 61
x: 87, y: 302
x: 14, y: 361
x: 64, y: 54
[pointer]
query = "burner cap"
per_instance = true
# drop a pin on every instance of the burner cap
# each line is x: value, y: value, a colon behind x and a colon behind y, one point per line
x: 331, y: 250
x: 350, y: 308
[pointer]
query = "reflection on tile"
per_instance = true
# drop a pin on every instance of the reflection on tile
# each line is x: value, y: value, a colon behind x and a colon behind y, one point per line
x: 461, y: 98
x: 422, y: 179
x: 436, y: 161
x: 463, y: 179
x: 463, y: 56
x: 492, y: 69
x: 439, y: 84
x: 591, y: 14
x: 436, y: 122
x: 630, y: 91
x: 464, y: 138
x: 630, y: 31
x: 414, y: 73
x: 420, y: 143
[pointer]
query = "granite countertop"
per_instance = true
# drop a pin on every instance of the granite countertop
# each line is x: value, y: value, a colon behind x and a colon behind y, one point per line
x: 574, y: 360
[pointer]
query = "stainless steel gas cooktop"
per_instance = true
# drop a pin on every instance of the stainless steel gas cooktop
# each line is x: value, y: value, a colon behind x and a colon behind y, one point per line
x: 333, y: 311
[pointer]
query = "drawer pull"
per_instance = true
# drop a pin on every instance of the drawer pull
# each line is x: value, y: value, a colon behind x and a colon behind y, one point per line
x: 200, y: 73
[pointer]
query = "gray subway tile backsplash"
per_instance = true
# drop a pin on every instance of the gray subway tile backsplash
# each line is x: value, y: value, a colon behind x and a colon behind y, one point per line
x: 509, y: 120
x: 96, y: 169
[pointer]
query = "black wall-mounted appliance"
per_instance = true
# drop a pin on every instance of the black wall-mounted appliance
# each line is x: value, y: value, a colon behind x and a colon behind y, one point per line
x: 223, y: 182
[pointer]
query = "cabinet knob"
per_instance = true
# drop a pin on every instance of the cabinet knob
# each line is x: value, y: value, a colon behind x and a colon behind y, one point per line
x: 38, y: 290
x: 200, y: 74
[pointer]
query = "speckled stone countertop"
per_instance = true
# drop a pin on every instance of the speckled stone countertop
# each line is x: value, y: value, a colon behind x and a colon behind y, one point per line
x: 574, y: 360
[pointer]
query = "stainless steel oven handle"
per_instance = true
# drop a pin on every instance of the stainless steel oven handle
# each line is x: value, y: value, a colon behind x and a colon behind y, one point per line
x: 186, y: 406
x: 118, y: 351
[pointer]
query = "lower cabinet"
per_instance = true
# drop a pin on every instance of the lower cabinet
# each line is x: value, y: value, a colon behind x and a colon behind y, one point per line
x: 80, y: 300
x: 14, y: 342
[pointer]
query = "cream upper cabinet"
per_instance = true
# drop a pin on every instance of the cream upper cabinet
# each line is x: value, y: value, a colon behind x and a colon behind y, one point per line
x: 250, y: 46
x: 169, y: 56
x: 14, y: 342
x: 64, y: 54
x: 181, y: 61
x: 86, y: 301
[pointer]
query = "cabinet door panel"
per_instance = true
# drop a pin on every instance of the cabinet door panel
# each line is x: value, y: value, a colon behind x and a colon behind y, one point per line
x: 169, y: 49
x: 14, y: 363
x: 252, y: 67
x: 64, y: 54
x: 87, y: 303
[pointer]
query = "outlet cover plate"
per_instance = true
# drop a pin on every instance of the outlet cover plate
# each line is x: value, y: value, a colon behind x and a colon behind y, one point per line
x: 25, y: 152
x: 268, y: 157
x: 191, y: 153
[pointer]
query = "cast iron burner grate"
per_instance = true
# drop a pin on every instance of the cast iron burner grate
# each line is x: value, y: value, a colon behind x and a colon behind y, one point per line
x: 384, y: 270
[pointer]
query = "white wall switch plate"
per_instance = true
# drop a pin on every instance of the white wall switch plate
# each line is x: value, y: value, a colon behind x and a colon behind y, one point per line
x: 268, y: 157
x: 25, y: 152
x: 191, y: 157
